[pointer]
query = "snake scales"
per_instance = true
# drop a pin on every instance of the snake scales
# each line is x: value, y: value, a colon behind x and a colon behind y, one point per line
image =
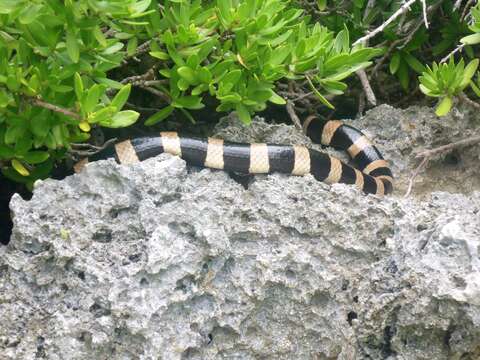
x: 370, y: 174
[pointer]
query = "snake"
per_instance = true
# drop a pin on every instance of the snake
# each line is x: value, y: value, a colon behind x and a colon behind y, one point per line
x: 371, y: 172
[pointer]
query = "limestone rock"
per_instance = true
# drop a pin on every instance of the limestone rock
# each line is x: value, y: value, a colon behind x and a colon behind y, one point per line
x: 158, y: 260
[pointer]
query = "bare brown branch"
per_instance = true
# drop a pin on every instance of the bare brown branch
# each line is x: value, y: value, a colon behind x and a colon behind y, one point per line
x: 427, y: 155
x: 55, y: 108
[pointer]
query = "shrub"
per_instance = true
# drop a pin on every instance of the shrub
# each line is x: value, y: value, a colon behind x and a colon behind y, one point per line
x: 56, y: 62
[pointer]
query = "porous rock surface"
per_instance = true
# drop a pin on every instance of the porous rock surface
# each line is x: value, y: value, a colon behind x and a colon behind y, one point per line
x: 162, y: 261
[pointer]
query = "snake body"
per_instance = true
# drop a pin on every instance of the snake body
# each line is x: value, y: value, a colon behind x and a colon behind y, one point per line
x: 371, y: 174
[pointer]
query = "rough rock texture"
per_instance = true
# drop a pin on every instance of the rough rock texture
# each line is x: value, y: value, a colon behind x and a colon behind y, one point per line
x: 401, y: 134
x: 163, y: 261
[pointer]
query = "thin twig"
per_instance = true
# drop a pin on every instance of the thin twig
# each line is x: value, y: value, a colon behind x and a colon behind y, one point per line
x: 58, y: 109
x: 453, y: 52
x: 457, y: 5
x: 469, y: 101
x: 361, y: 104
x: 143, y: 48
x: 424, y: 10
x: 428, y: 154
x: 414, y: 175
x: 403, y: 41
x: 466, y: 8
x: 362, y: 75
x: 472, y: 140
x: 156, y: 92
x: 291, y: 112
x: 404, y: 8
x: 77, y: 149
x: 139, y: 80
x: 385, y: 57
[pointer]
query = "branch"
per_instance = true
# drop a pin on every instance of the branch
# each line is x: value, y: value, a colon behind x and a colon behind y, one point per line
x: 428, y: 154
x: 156, y: 92
x: 424, y: 10
x: 145, y: 80
x: 457, y: 5
x: 366, y: 87
x: 143, y: 48
x: 404, y: 8
x: 465, y: 9
x: 469, y: 101
x: 85, y: 150
x: 291, y: 111
x: 58, y: 109
x: 453, y: 52
x: 404, y: 41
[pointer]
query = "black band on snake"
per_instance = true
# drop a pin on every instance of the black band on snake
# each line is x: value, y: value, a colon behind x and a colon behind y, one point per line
x: 372, y: 174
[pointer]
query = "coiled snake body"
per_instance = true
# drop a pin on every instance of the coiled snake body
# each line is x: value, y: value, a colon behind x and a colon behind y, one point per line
x: 372, y: 174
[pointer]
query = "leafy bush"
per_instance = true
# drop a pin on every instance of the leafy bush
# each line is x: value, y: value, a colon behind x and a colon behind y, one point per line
x: 407, y: 45
x: 68, y: 66
x: 446, y: 81
x: 56, y: 63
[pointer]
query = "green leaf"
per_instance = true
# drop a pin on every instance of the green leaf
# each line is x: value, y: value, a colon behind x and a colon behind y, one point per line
x: 403, y: 75
x: 5, y: 98
x: 468, y: 73
x: 113, y: 49
x: 13, y: 133
x: 204, y: 75
x: 36, y: 157
x: 122, y: 96
x: 102, y: 115
x: 188, y: 115
x: 23, y: 144
x: 99, y: 36
x: 18, y: 166
x: 243, y: 113
x: 471, y: 39
x: 277, y: 99
x: 342, y: 41
x: 321, y: 4
x: 394, y: 63
x: 29, y: 13
x: 93, y: 95
x: 320, y: 96
x: 8, y: 6
x: 233, y: 98
x: 232, y: 77
x: 444, y: 106
x: 109, y: 83
x: 159, y: 116
x: 414, y: 64
x: 73, y: 49
x: 475, y: 88
x: 187, y: 74
x: 121, y: 119
x: 132, y: 46
x: 189, y: 102
x: 6, y: 152
x: 78, y: 85
x: 426, y: 90
x: 160, y: 55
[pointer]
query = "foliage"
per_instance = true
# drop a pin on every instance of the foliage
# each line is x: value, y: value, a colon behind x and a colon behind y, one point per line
x: 407, y: 45
x: 58, y: 54
x: 446, y: 81
x: 69, y: 66
x: 56, y: 62
x: 236, y: 51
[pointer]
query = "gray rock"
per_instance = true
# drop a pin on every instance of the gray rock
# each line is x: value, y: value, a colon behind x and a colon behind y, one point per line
x: 162, y: 261
x: 402, y: 134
